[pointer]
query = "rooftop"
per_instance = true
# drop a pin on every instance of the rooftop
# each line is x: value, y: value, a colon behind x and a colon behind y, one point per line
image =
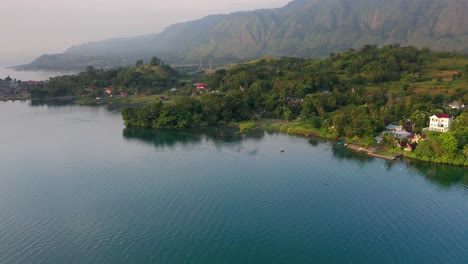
x: 443, y: 116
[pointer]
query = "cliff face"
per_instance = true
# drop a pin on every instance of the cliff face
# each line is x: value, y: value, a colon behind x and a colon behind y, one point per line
x: 305, y: 28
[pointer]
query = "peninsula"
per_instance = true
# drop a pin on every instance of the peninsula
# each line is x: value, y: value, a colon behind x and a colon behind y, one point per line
x: 353, y: 95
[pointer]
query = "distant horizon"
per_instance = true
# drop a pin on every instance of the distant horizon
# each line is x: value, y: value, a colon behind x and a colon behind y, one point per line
x: 41, y: 23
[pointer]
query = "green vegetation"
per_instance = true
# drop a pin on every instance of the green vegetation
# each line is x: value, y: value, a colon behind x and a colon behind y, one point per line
x: 141, y: 79
x: 248, y: 126
x: 351, y: 95
x: 450, y: 147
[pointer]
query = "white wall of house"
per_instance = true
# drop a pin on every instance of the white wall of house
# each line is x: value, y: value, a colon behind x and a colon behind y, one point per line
x: 440, y: 124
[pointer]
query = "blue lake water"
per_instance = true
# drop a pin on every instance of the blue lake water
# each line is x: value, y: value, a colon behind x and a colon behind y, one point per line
x: 76, y: 186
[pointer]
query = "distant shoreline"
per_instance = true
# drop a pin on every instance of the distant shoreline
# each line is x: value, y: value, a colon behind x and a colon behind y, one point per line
x: 24, y: 75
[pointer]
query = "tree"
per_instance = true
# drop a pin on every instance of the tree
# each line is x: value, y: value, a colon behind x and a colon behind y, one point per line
x: 424, y: 149
x: 155, y: 61
x: 139, y: 63
x: 419, y: 119
x: 449, y: 143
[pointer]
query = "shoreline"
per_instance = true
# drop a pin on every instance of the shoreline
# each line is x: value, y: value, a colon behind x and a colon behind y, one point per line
x: 372, y: 152
x: 268, y: 124
x: 376, y: 152
x: 274, y: 124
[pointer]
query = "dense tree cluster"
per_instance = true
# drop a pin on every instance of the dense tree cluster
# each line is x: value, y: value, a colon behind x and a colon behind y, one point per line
x: 148, y: 78
x: 346, y: 95
x: 450, y: 147
x: 186, y: 112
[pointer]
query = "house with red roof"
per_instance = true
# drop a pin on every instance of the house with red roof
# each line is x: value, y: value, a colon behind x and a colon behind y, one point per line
x: 410, y: 146
x: 201, y: 86
x: 440, y: 123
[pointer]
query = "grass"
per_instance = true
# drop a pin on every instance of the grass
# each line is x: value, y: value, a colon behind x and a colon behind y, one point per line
x: 247, y: 126
x: 143, y: 99
x: 389, y: 152
x: 300, y: 128
x: 442, y: 69
x: 131, y: 100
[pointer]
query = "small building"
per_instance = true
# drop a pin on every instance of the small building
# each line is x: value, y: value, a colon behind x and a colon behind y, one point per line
x: 415, y: 138
x: 123, y: 94
x: 378, y: 139
x: 33, y: 83
x: 400, y: 134
x: 201, y: 86
x: 456, y: 105
x: 440, y: 123
x: 173, y: 89
x: 109, y: 90
x: 397, y: 131
x: 410, y: 146
x: 394, y: 128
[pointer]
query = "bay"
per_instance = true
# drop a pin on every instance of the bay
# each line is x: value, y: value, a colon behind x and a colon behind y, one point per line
x: 76, y: 186
x: 28, y: 75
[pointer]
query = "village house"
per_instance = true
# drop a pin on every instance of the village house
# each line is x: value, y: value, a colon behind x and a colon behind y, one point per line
x: 201, y: 86
x: 456, y: 105
x: 397, y: 131
x: 293, y: 101
x: 109, y: 91
x: 415, y: 138
x: 395, y: 128
x: 440, y: 123
x: 410, y: 146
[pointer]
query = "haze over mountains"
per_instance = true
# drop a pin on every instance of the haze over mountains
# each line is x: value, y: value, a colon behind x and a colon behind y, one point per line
x: 303, y: 28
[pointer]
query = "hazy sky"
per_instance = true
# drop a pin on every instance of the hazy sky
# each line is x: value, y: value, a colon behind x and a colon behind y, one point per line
x: 32, y: 27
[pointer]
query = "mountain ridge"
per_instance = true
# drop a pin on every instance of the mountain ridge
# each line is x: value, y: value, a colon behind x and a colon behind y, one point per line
x: 302, y: 28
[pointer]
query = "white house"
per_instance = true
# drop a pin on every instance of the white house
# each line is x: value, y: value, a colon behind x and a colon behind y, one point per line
x: 456, y: 105
x: 440, y: 122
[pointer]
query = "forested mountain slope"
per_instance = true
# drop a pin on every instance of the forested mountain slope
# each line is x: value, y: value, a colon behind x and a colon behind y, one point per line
x: 303, y: 28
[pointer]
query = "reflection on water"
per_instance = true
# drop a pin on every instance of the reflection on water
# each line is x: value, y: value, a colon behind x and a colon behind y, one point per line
x: 342, y: 153
x: 75, y: 185
x: 446, y: 176
x: 51, y: 102
x: 59, y: 102
x: 220, y: 136
x: 443, y: 175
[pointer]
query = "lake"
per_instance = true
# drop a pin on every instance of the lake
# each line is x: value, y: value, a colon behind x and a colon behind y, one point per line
x: 76, y: 186
x: 28, y: 75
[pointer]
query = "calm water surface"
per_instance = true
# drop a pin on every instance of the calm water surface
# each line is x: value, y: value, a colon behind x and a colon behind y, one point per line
x: 77, y: 187
x: 28, y: 75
